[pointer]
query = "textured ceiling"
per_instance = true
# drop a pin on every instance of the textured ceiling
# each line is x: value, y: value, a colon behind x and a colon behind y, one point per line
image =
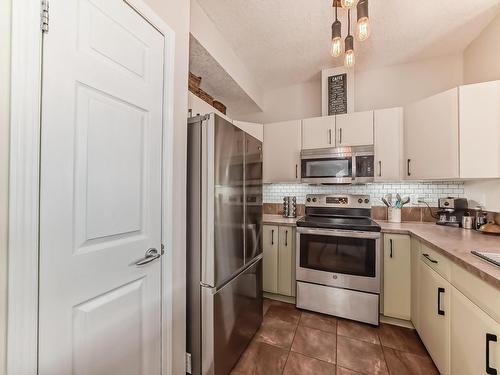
x: 217, y: 82
x: 284, y: 42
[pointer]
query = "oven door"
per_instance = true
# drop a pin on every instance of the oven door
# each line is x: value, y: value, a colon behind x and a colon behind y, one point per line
x: 331, y: 169
x: 339, y: 258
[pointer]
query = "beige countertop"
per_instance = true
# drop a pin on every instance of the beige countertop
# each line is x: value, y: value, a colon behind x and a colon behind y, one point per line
x: 279, y: 220
x: 456, y: 244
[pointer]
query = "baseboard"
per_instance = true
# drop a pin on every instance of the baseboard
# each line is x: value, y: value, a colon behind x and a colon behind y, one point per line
x: 396, y: 322
x: 280, y: 297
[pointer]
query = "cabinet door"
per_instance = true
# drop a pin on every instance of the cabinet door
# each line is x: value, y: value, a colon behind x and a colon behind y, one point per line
x: 480, y: 130
x: 431, y: 137
x: 270, y: 258
x: 254, y: 129
x: 318, y: 132
x: 397, y: 276
x: 415, y: 282
x: 354, y: 129
x: 472, y: 335
x: 286, y: 261
x: 388, y: 140
x: 434, y: 311
x: 282, y: 144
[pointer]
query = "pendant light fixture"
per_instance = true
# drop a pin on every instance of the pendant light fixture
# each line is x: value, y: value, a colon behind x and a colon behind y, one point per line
x: 362, y: 29
x: 336, y: 35
x: 349, y: 59
x: 348, y: 4
x: 363, y: 24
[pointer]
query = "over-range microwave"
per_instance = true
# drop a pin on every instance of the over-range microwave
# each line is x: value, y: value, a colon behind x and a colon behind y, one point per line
x: 338, y: 165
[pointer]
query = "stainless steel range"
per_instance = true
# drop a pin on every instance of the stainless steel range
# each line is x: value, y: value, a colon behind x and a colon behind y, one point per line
x: 338, y: 258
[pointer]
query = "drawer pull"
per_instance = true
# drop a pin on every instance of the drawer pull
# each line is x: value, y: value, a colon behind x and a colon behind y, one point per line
x: 391, y: 247
x: 490, y: 338
x: 286, y: 238
x: 430, y: 259
x: 440, y: 290
x: 272, y: 237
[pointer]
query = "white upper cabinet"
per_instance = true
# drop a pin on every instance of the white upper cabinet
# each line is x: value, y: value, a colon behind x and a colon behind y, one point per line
x: 282, y: 144
x: 431, y: 137
x: 355, y: 129
x: 254, y: 129
x: 479, y: 106
x: 388, y: 139
x: 318, y: 132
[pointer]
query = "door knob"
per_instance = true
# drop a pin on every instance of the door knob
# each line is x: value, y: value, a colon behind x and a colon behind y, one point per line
x: 151, y: 255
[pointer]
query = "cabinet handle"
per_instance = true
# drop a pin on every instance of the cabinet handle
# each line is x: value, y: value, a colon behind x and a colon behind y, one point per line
x: 272, y: 237
x: 286, y: 238
x: 440, y: 290
x: 430, y: 259
x: 408, y: 167
x: 296, y: 171
x: 391, y: 247
x: 490, y: 338
x: 380, y: 168
x: 340, y: 136
x: 329, y: 136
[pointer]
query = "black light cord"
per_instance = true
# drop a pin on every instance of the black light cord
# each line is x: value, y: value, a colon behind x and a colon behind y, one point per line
x: 429, y: 207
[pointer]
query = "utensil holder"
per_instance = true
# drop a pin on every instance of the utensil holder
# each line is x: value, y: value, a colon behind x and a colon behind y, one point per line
x: 394, y: 215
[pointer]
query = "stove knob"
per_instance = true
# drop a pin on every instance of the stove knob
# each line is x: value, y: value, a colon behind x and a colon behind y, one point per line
x: 360, y: 200
x: 314, y: 200
x: 367, y: 200
x: 308, y: 199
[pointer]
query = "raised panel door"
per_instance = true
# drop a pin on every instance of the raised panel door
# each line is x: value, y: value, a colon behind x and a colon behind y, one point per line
x: 388, y: 141
x: 286, y: 261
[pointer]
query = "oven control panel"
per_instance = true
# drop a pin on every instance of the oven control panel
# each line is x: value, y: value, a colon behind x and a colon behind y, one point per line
x: 344, y: 200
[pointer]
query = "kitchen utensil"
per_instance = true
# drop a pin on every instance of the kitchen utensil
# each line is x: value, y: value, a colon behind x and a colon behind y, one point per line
x: 388, y: 198
x: 398, y: 199
x: 405, y: 200
x: 385, y: 202
x: 490, y: 228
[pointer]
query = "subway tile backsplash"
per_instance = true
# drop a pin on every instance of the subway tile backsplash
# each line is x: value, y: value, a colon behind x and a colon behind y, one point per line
x: 427, y: 191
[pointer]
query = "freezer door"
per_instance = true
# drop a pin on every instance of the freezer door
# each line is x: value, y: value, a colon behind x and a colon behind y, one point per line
x: 228, y: 200
x: 231, y: 317
x: 253, y: 194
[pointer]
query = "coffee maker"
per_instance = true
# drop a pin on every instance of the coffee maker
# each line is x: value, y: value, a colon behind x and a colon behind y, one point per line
x: 451, y: 211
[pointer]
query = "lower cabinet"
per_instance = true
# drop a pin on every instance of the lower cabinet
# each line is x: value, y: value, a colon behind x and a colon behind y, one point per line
x: 279, y: 260
x: 434, y: 316
x: 475, y: 338
x: 397, y: 276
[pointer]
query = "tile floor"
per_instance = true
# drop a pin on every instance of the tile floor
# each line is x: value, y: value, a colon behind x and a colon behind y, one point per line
x: 296, y: 342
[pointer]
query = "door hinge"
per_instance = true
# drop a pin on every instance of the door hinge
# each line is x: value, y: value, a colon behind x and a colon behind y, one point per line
x: 44, y: 16
x: 188, y: 363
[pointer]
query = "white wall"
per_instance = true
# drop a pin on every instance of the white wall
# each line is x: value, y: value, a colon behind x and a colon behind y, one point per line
x: 482, y: 56
x: 482, y: 63
x: 5, y: 19
x: 386, y: 87
x: 288, y: 103
x: 176, y: 15
x: 207, y: 34
x: 399, y: 85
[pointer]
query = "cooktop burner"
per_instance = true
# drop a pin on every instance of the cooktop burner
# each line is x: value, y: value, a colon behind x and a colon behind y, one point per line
x: 347, y: 212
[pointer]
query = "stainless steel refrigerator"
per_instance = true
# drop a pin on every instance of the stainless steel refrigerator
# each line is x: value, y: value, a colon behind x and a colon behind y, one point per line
x: 224, y: 243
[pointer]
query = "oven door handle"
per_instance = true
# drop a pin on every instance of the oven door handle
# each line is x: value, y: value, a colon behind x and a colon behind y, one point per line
x: 339, y: 233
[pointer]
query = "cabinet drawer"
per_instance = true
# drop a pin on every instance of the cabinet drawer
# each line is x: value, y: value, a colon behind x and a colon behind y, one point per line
x: 481, y: 293
x: 436, y: 261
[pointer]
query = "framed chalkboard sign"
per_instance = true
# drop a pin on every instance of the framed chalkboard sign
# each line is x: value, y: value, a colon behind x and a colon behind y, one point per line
x: 337, y: 94
x: 337, y: 86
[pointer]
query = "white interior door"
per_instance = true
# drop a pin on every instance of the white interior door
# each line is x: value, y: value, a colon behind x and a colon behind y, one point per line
x: 100, y: 192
